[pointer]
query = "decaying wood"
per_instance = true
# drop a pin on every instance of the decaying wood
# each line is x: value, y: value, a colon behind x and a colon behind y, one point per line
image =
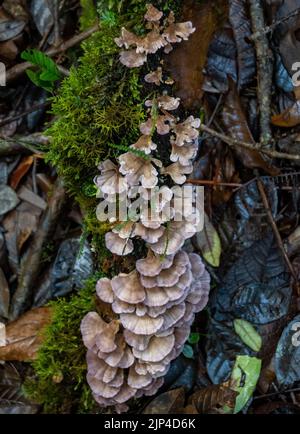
x: 264, y: 72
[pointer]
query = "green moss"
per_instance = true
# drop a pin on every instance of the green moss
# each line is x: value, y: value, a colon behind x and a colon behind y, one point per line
x: 100, y: 106
x: 62, y: 357
x: 98, y: 110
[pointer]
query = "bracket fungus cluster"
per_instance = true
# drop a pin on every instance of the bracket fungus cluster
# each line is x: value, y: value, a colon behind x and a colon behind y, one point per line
x: 156, y: 303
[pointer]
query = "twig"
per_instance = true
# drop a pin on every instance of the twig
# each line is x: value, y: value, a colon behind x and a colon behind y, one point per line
x: 274, y: 227
x: 17, y: 145
x: 19, y: 69
x: 31, y: 264
x: 213, y: 183
x: 233, y: 143
x: 269, y: 29
x: 25, y: 113
x: 264, y: 73
x: 279, y: 392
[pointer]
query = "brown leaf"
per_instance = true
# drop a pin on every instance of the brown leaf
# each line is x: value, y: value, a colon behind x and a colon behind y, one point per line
x: 245, y: 50
x: 236, y: 124
x: 167, y: 403
x: 25, y: 335
x: 212, y: 399
x: 21, y: 171
x: 187, y: 60
x: 289, y: 117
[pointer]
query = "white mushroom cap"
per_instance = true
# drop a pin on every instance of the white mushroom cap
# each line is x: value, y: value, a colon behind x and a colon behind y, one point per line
x: 110, y: 181
x: 184, y: 154
x: 104, y: 290
x: 156, y: 297
x: 152, y: 265
x: 173, y: 315
x: 157, y: 350
x: 153, y: 14
x: 91, y: 326
x: 154, y: 77
x: 132, y: 59
x: 141, y: 325
x: 101, y: 388
x: 178, y: 172
x: 99, y: 369
x: 139, y: 342
x: 119, y: 306
x: 145, y: 144
x: 138, y: 381
x: 187, y: 131
x: 117, y: 245
x: 128, y: 288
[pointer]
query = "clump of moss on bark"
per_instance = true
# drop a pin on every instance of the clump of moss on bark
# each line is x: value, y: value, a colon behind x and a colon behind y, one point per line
x: 59, y: 383
x: 100, y: 105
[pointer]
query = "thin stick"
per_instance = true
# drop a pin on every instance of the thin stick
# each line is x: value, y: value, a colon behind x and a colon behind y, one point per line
x: 213, y: 183
x: 19, y: 69
x: 233, y: 143
x: 25, y: 113
x: 269, y: 29
x: 264, y: 72
x: 274, y: 227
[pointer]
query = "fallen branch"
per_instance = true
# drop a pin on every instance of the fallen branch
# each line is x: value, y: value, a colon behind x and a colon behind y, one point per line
x: 264, y: 72
x: 19, y: 69
x: 233, y: 143
x: 17, y: 145
x: 30, y: 266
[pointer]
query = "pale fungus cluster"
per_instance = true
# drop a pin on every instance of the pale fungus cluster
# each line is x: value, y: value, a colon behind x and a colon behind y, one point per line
x: 156, y: 303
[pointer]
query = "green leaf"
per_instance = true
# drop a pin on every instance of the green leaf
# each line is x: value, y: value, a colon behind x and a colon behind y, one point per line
x: 194, y: 338
x: 244, y: 377
x: 248, y: 334
x: 188, y: 351
x: 208, y: 242
x: 47, y: 72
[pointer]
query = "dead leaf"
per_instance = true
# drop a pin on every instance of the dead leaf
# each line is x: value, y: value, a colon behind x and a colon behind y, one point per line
x: 25, y: 335
x: 167, y: 403
x: 29, y: 196
x: 19, y: 226
x: 209, y: 244
x: 236, y: 124
x: 186, y: 62
x: 213, y: 399
x: 21, y: 171
x: 289, y: 117
x: 245, y: 49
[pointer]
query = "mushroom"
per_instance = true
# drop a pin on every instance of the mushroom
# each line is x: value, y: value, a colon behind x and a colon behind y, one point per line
x: 145, y: 325
x: 152, y: 14
x: 118, y: 245
x: 186, y: 132
x: 184, y: 154
x: 110, y: 181
x: 164, y: 102
x: 152, y: 265
x: 176, y: 32
x: 177, y: 172
x: 139, y: 170
x: 154, y: 77
x: 128, y: 288
x: 104, y: 290
x: 144, y: 144
x: 157, y: 350
x: 132, y: 59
